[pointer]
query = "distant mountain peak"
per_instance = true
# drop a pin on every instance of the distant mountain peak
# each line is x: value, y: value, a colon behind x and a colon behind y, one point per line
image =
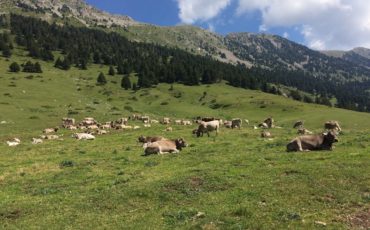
x: 76, y: 9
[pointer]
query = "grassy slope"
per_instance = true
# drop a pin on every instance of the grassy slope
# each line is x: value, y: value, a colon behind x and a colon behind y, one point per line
x: 237, y: 179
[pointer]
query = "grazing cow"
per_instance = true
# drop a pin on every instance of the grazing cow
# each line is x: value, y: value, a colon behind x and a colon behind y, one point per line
x: 83, y: 136
x: 269, y: 122
x: 47, y: 131
x: 266, y: 134
x: 36, y: 141
x: 333, y: 125
x: 166, y: 121
x: 145, y: 140
x: 177, y: 122
x: 13, y: 142
x: 303, y: 131
x: 147, y: 125
x: 206, y: 127
x: 67, y: 122
x: 313, y: 142
x: 164, y: 146
x: 169, y: 129
x: 298, y: 124
x: 236, y: 123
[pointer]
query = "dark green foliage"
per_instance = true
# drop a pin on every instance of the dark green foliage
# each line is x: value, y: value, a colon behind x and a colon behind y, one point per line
x: 29, y: 67
x: 111, y: 71
x: 101, y: 79
x: 14, y: 67
x: 126, y: 83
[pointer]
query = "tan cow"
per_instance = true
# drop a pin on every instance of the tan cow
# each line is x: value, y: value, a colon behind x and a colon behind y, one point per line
x: 186, y: 122
x: 13, y: 142
x: 177, y: 122
x: 323, y: 141
x: 206, y: 127
x: 52, y: 130
x: 164, y: 146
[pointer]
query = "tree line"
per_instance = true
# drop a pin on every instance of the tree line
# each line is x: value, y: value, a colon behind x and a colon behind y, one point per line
x: 156, y: 64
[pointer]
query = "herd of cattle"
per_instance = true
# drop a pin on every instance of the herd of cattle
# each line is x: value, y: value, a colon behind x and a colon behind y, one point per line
x: 89, y: 128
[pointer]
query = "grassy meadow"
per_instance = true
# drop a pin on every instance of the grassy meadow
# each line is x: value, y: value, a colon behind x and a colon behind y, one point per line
x: 236, y: 180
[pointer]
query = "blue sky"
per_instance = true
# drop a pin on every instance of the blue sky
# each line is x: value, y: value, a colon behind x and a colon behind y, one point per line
x: 319, y: 24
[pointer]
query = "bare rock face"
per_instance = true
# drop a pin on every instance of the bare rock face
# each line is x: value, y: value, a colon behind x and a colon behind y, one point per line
x: 77, y: 9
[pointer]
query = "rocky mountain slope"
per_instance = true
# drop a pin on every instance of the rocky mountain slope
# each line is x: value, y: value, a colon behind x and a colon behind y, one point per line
x: 75, y: 10
x: 359, y: 56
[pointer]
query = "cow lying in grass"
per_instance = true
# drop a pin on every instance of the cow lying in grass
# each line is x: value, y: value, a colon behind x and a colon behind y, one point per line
x: 323, y: 141
x: 164, y: 146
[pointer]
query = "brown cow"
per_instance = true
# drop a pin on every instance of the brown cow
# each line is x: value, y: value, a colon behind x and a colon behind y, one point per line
x: 313, y: 142
x: 164, y: 146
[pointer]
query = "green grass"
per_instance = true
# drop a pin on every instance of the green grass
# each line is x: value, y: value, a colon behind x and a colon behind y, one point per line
x: 237, y: 179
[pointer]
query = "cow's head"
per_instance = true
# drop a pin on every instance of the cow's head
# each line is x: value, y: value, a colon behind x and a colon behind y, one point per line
x: 141, y: 139
x: 180, y: 143
x: 329, y: 139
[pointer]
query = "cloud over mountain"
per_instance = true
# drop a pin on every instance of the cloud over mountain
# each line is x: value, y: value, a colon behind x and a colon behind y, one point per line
x: 192, y: 11
x: 323, y: 24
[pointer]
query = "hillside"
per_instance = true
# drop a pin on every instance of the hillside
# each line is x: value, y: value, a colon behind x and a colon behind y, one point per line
x: 106, y: 183
x: 359, y: 56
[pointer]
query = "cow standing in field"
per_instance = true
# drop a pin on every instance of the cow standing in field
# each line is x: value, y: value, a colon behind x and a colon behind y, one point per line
x: 207, y: 127
x: 323, y: 141
x: 236, y: 123
x: 164, y: 146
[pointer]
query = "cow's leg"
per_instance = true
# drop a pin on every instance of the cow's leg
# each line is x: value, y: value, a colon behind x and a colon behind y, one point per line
x: 300, y: 146
x: 207, y: 133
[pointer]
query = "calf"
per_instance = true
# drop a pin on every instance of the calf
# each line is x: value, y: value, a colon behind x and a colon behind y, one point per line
x: 164, y: 146
x: 313, y: 142
x: 332, y: 125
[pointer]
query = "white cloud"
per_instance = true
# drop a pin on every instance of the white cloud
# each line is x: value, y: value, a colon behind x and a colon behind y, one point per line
x: 325, y: 24
x: 192, y: 11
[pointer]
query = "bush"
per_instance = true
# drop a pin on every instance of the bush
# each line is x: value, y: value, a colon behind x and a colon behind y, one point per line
x: 101, y: 79
x: 14, y: 67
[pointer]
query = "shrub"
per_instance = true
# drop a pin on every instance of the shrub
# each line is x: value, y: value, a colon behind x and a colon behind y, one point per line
x: 14, y: 67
